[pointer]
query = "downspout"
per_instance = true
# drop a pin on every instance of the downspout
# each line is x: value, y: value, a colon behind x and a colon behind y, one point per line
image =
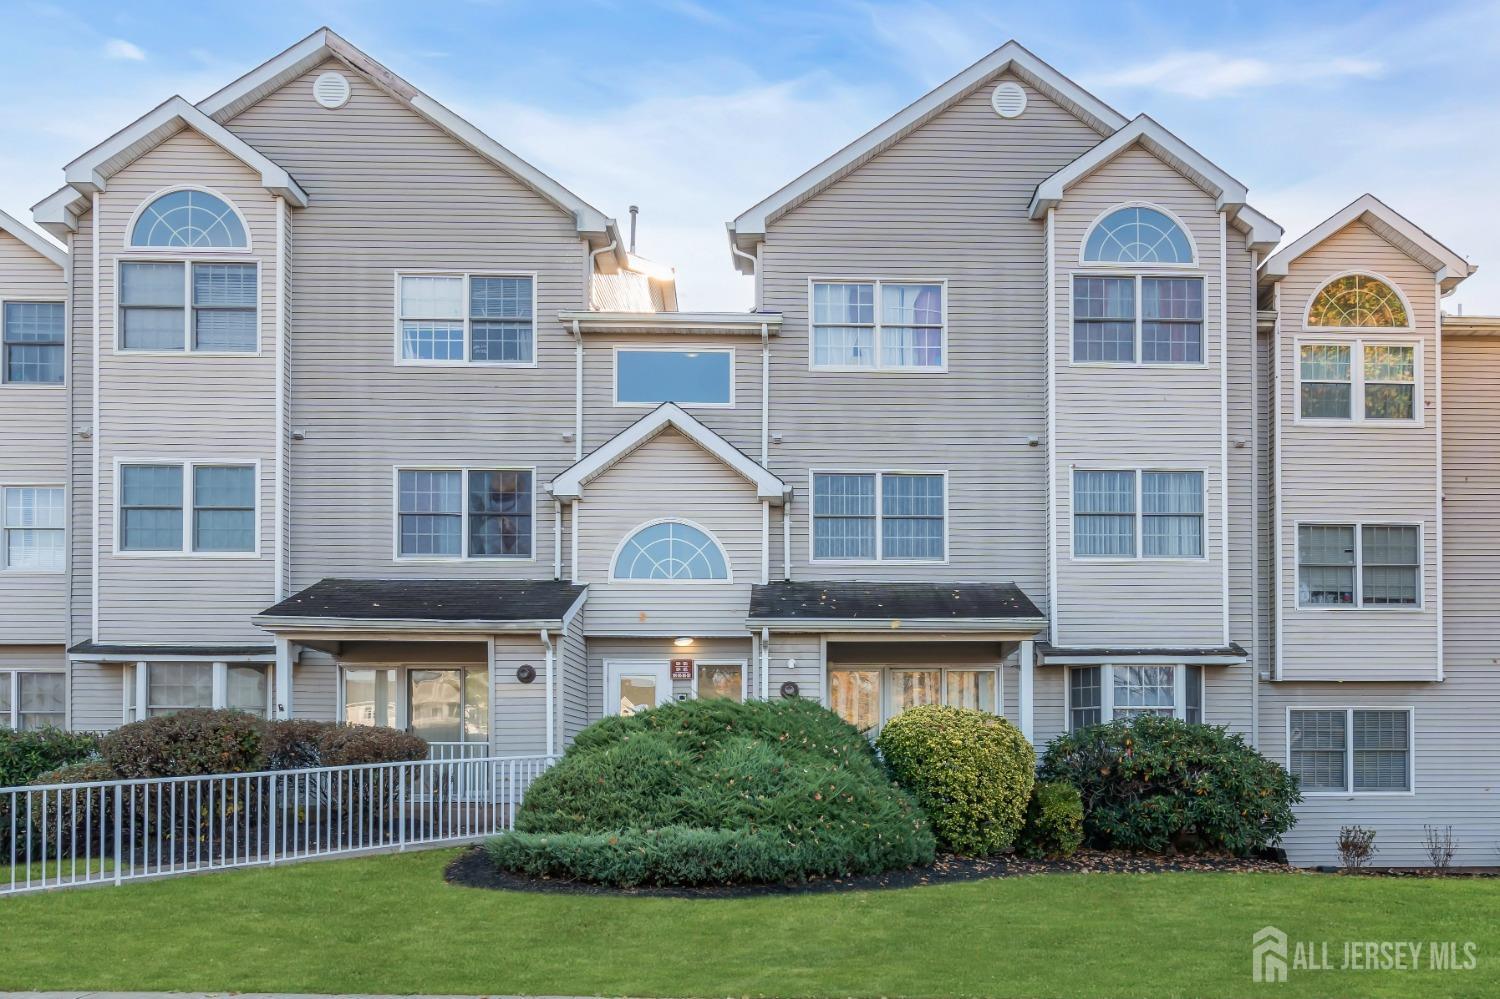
x: 765, y: 663
x: 765, y: 395
x: 551, y: 715
x: 1255, y: 505
x: 95, y: 543
x: 578, y: 390
x: 69, y: 373
x: 786, y: 536
x: 557, y: 515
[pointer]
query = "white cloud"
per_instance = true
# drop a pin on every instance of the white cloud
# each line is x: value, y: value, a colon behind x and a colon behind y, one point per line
x: 1209, y: 74
x: 119, y: 48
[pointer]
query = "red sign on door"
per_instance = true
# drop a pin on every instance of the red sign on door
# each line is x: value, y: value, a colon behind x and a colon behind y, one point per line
x: 682, y: 669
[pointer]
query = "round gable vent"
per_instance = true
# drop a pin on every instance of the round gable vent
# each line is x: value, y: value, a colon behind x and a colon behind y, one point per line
x: 1008, y: 100
x: 331, y: 90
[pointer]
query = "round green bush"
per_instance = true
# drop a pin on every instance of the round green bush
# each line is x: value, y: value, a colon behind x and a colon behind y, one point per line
x: 1160, y: 785
x: 715, y: 792
x: 25, y: 755
x: 971, y: 771
x: 1054, y: 821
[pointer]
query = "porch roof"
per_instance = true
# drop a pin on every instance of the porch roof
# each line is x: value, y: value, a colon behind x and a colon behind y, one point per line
x: 427, y: 604
x: 864, y: 606
x: 1206, y: 655
x: 136, y: 652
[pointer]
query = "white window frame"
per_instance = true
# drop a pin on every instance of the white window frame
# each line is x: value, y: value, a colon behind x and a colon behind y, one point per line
x: 191, y: 251
x: 464, y: 471
x: 185, y: 260
x: 5, y: 530
x: 615, y: 375
x: 1138, y: 275
x: 1361, y: 330
x: 187, y: 550
x: 744, y: 668
x: 5, y: 378
x: 879, y: 367
x: 885, y: 669
x: 1140, y: 517
x: 1356, y: 345
x: 137, y: 685
x: 1349, y: 791
x: 468, y: 320
x: 11, y: 676
x: 1107, y: 690
x: 880, y: 474
x: 1187, y: 232
x: 614, y: 556
x: 1359, y: 566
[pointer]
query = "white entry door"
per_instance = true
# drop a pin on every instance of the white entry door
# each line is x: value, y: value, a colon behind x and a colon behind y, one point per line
x: 632, y: 685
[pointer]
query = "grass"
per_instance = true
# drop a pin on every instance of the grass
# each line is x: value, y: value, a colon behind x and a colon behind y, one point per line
x: 390, y: 924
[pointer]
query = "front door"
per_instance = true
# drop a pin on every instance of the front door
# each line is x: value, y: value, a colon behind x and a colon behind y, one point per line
x: 634, y: 685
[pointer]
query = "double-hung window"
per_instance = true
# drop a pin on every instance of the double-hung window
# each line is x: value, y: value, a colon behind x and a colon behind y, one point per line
x: 32, y: 699
x: 879, y: 516
x: 156, y: 500
x: 1359, y: 565
x: 202, y: 307
x: 1119, y: 513
x: 33, y: 518
x: 1137, y: 319
x: 455, y: 513
x: 878, y: 325
x: 1350, y: 750
x: 466, y: 318
x: 33, y: 335
x: 1357, y: 381
x: 1114, y: 692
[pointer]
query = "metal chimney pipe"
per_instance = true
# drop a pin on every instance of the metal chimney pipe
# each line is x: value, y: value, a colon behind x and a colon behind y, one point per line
x: 634, y: 211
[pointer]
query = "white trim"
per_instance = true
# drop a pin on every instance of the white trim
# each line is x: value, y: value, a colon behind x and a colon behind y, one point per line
x: 30, y: 237
x: 662, y: 668
x: 1437, y: 515
x: 878, y: 367
x: 5, y: 571
x: 684, y: 323
x: 189, y: 309
x: 1348, y: 711
x: 283, y: 465
x: 22, y: 386
x: 1356, y: 346
x: 10, y: 677
x: 96, y: 546
x: 1139, y: 515
x: 1323, y: 284
x: 1106, y: 668
x: 468, y: 319
x: 463, y: 515
x: 879, y: 515
x: 127, y: 241
x: 1138, y: 277
x: 1054, y: 626
x: 1182, y: 227
x: 1224, y: 415
x: 632, y: 532
x: 188, y: 466
x: 1278, y: 531
x: 742, y: 665
x: 568, y: 485
x: 684, y: 349
x: 1358, y: 527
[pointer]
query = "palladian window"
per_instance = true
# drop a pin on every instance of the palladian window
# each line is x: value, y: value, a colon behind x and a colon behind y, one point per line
x: 1358, y: 301
x: 671, y: 551
x: 1137, y: 235
x: 189, y: 219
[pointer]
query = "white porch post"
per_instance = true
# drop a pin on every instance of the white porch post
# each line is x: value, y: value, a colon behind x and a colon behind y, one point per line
x: 283, y: 678
x: 142, y: 690
x: 1025, y: 663
x: 220, y: 685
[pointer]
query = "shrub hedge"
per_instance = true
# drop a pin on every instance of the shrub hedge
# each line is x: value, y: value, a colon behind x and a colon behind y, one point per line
x: 1160, y: 784
x: 26, y: 755
x: 196, y: 741
x: 970, y: 770
x: 1054, y: 821
x: 296, y: 743
x: 712, y: 791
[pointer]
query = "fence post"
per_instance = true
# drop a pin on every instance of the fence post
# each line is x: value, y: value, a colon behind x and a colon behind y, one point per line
x: 274, y: 819
x: 119, y: 836
x: 401, y: 809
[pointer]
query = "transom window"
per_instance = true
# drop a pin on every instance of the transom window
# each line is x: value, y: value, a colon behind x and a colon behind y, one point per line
x: 464, y: 513
x: 34, y: 336
x: 879, y: 516
x: 1106, y: 523
x: 466, y: 318
x: 189, y: 219
x: 33, y: 518
x: 31, y: 699
x: 1357, y: 381
x: 671, y: 551
x: 1350, y: 750
x: 1137, y: 235
x: 1106, y: 693
x: 702, y: 377
x: 878, y: 325
x: 867, y: 698
x: 1119, y: 319
x: 177, y: 306
x: 1358, y: 301
x: 1359, y: 565
x: 154, y: 499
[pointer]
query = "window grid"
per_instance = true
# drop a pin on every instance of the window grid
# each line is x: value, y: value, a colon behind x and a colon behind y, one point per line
x: 1139, y: 513
x: 1111, y: 692
x: 32, y: 518
x: 1358, y: 381
x: 879, y: 516
x: 1137, y: 320
x: 1351, y: 750
x: 34, y: 335
x: 32, y: 699
x: 466, y: 319
x: 169, y: 508
x: 670, y: 551
x: 179, y: 306
x: 878, y: 325
x: 464, y: 513
x: 1359, y: 565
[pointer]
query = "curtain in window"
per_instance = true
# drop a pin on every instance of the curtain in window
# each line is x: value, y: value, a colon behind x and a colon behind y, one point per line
x: 1144, y: 690
x: 1172, y: 320
x: 844, y: 325
x: 911, y: 688
x: 1172, y: 514
x: 370, y: 697
x: 911, y: 330
x: 912, y: 516
x: 1104, y: 319
x: 843, y: 516
x: 973, y: 689
x: 855, y: 696
x: 1104, y: 513
x: 43, y: 700
x: 247, y: 688
x: 500, y: 514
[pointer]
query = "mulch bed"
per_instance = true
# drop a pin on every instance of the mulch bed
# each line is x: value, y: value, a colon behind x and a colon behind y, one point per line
x: 472, y: 869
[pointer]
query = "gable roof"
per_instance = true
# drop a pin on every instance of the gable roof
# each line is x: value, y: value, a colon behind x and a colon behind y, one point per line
x: 90, y: 172
x: 33, y: 239
x: 1144, y: 131
x: 1390, y: 225
x: 569, y: 484
x: 750, y: 227
x: 325, y: 44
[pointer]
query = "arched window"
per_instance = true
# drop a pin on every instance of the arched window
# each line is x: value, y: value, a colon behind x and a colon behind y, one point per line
x: 1357, y: 301
x: 1137, y: 235
x: 192, y: 219
x: 671, y: 551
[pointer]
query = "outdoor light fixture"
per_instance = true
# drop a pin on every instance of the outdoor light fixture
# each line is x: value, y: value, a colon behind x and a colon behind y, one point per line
x: 682, y: 642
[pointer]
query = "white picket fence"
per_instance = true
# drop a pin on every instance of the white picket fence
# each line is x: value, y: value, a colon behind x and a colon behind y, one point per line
x: 110, y: 832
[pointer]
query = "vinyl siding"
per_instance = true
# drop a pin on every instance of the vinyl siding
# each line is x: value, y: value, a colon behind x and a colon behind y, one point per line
x: 518, y: 711
x: 580, y: 689
x: 34, y: 453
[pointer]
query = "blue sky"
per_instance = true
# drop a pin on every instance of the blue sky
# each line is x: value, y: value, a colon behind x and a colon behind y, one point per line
x: 695, y: 110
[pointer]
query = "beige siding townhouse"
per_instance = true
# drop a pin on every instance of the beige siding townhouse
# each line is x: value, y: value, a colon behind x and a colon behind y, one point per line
x: 344, y: 411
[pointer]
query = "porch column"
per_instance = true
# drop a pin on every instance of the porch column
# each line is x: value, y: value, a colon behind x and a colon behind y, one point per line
x: 1025, y: 663
x: 283, y: 678
x: 142, y: 691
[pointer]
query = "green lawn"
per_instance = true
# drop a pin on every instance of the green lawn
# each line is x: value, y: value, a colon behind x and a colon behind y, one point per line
x: 390, y: 924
